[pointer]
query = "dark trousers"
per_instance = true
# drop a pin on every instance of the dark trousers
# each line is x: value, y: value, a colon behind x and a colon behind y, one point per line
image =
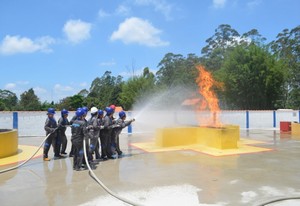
x: 103, y: 141
x: 56, y: 143
x: 78, y: 154
x: 48, y: 143
x: 92, y: 147
x: 64, y: 142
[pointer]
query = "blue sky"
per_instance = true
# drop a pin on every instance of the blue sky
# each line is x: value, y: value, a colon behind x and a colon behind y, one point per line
x: 58, y: 47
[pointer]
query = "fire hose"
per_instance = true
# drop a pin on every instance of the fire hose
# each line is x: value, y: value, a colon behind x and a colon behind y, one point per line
x: 92, y: 174
x: 23, y: 163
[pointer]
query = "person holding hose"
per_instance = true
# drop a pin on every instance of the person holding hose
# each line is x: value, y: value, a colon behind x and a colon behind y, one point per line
x: 79, y: 134
x: 119, y: 125
x: 51, y: 131
x: 94, y: 127
x: 106, y: 134
x: 63, y: 122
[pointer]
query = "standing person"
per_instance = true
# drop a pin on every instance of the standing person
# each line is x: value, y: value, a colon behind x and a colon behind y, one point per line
x: 71, y: 154
x: 106, y: 134
x: 50, y: 128
x: 79, y: 133
x: 120, y: 124
x: 114, y: 109
x: 93, y: 131
x: 63, y: 122
x: 100, y: 122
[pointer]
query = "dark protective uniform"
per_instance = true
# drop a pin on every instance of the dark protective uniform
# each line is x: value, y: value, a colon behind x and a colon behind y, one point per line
x: 100, y: 122
x: 118, y: 126
x: 79, y: 133
x: 61, y: 132
x: 106, y: 137
x: 93, y: 131
x: 71, y: 154
x: 50, y: 128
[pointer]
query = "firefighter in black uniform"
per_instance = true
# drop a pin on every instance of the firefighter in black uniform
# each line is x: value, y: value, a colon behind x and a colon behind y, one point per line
x: 79, y: 133
x: 63, y: 122
x: 51, y: 130
x: 106, y: 136
x: 119, y: 125
x: 93, y: 131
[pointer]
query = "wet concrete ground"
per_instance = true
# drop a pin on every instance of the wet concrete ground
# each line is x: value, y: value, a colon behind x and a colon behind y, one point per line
x: 165, y: 178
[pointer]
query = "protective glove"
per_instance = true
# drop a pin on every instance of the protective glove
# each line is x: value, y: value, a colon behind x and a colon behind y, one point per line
x: 133, y: 120
x: 115, y: 126
x: 90, y: 127
x: 101, y: 127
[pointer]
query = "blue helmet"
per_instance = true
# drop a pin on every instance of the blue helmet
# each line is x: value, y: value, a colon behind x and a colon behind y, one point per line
x: 122, y: 114
x: 64, y: 111
x: 79, y: 112
x: 100, y: 112
x: 51, y: 111
x: 85, y: 109
x: 109, y: 110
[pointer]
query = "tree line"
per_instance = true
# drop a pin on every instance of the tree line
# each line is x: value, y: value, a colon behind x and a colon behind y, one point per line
x: 254, y: 75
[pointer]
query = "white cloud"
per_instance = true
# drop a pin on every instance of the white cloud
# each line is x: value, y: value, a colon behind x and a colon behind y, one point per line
x: 16, y: 44
x: 219, y: 3
x: 83, y: 84
x: 137, y: 72
x: 22, y: 82
x: 77, y: 30
x: 39, y: 90
x: 123, y: 10
x: 161, y: 6
x: 108, y: 63
x: 136, y: 30
x: 253, y: 3
x: 10, y: 86
x: 61, y: 88
x: 102, y: 13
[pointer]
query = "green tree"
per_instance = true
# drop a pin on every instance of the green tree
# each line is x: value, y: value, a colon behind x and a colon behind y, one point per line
x: 136, y: 88
x: 9, y: 99
x: 286, y: 48
x: 29, y: 101
x: 253, y: 79
x: 105, y: 90
x: 45, y: 105
x: 75, y: 101
x: 224, y: 39
x: 176, y: 70
x: 2, y: 106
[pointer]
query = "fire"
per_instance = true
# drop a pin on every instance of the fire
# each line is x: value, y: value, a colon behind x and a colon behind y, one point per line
x: 210, y: 101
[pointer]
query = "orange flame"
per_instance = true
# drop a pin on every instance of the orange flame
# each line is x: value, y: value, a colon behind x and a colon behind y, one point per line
x: 210, y: 101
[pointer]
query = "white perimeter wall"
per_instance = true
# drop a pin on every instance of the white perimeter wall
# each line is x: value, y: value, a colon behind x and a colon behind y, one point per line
x: 32, y: 123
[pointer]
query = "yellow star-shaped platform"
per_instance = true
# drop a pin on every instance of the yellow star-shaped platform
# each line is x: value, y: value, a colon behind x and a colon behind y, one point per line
x: 244, y: 147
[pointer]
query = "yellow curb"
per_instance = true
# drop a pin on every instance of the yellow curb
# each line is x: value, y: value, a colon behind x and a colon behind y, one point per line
x: 24, y: 153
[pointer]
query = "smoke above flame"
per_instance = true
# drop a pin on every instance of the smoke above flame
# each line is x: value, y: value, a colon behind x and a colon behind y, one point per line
x: 209, y: 102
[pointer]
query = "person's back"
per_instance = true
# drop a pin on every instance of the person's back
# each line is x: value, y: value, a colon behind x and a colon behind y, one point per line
x: 79, y: 133
x: 77, y: 130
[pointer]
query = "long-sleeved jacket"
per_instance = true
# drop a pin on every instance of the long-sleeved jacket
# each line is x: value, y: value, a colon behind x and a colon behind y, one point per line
x: 107, y: 126
x: 94, y: 126
x: 78, y: 130
x: 50, y: 126
x: 119, y: 125
x: 73, y: 119
x: 62, y: 124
